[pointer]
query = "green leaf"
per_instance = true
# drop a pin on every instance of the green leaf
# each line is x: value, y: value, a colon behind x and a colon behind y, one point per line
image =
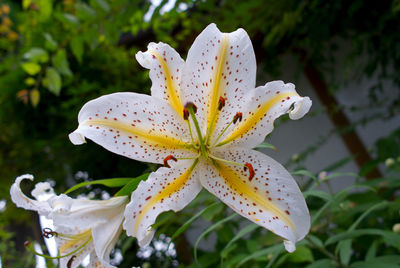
x: 246, y: 230
x: 60, y: 62
x: 209, y: 230
x: 315, y: 240
x: 374, y: 207
x: 276, y: 249
x: 37, y: 54
x: 320, y: 194
x: 45, y: 8
x: 306, y: 173
x: 344, y: 248
x: 31, y: 67
x: 212, y: 212
x: 50, y: 43
x: 53, y: 80
x: 116, y: 182
x: 76, y: 44
x: 132, y: 185
x: 69, y: 19
x: 84, y: 11
x: 371, y: 253
x: 389, y: 237
x: 266, y: 145
x: 102, y: 4
x: 34, y: 96
x: 30, y: 81
x: 26, y: 3
x: 191, y: 220
x: 302, y: 254
x: 322, y: 263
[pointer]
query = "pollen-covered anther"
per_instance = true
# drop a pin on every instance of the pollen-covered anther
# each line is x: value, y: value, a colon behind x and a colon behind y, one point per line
x: 251, y: 170
x: 69, y: 263
x: 221, y: 103
x: 27, y: 243
x: 186, y: 110
x: 170, y: 157
x: 48, y: 233
x: 238, y: 116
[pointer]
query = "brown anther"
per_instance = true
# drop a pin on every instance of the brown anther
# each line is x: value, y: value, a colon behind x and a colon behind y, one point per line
x: 185, y: 114
x: 251, y: 170
x: 48, y: 233
x: 170, y: 157
x: 69, y: 263
x: 221, y: 103
x: 27, y: 243
x: 191, y: 104
x: 238, y: 116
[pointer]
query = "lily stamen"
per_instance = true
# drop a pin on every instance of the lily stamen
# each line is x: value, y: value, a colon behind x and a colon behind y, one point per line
x: 170, y: 157
x: 221, y: 103
x: 238, y: 116
x: 69, y: 263
x: 48, y: 233
x: 192, y: 109
x: 75, y: 252
x: 251, y: 170
x: 227, y: 161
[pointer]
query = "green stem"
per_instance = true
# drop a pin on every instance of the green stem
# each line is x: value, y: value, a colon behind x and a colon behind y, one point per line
x: 196, y: 124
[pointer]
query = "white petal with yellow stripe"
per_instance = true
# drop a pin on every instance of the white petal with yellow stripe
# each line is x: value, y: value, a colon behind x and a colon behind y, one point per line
x: 165, y: 189
x: 263, y: 105
x: 271, y: 198
x: 218, y: 65
x: 165, y: 67
x: 134, y: 125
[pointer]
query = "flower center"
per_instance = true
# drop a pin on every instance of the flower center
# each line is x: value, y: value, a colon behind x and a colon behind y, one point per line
x: 203, y: 146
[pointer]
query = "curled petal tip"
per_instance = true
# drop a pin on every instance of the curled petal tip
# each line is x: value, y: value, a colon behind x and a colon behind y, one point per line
x: 146, y: 239
x: 289, y: 246
x: 42, y: 188
x: 76, y: 138
x: 300, y: 108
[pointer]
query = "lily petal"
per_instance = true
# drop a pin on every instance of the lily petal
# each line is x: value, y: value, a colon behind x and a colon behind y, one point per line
x: 264, y: 105
x: 22, y: 201
x: 218, y: 65
x: 78, y: 243
x: 271, y: 198
x: 165, y: 67
x: 137, y: 126
x: 166, y: 189
x: 106, y: 235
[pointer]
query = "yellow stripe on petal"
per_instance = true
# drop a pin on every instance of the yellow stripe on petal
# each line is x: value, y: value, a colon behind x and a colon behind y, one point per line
x: 172, y: 90
x: 217, y: 91
x: 75, y: 241
x: 250, y: 122
x: 244, y: 190
x: 172, y: 188
x: 158, y: 139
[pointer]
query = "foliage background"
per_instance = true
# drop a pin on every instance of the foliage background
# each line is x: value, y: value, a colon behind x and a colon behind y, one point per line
x: 57, y: 55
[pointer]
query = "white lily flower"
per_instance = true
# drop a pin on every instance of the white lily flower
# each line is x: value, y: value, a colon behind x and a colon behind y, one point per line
x: 82, y: 226
x: 211, y: 148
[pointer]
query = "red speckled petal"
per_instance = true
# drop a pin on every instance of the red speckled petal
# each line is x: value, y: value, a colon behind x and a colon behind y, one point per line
x: 218, y: 65
x: 165, y: 67
x: 166, y: 189
x: 263, y: 105
x: 137, y: 126
x: 271, y: 199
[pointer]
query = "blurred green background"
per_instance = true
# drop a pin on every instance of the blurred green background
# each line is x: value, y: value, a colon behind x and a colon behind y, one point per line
x: 57, y: 55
